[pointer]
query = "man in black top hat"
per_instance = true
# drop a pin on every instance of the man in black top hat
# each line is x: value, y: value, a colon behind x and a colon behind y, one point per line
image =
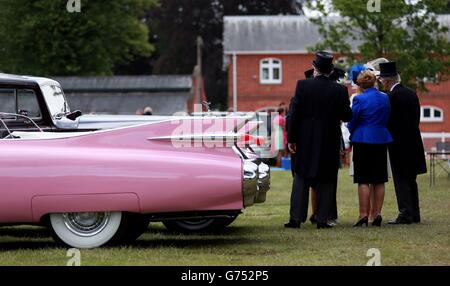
x: 406, y: 152
x: 295, y: 186
x: 314, y: 133
x: 336, y: 75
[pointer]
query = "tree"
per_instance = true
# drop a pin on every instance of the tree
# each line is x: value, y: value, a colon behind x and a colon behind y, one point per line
x: 446, y: 9
x: 41, y: 37
x: 408, y: 33
x: 176, y: 25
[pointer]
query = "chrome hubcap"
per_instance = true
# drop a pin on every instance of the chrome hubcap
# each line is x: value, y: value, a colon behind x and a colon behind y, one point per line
x: 86, y: 223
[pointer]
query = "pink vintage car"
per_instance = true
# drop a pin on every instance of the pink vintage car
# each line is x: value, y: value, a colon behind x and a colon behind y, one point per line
x: 93, y: 188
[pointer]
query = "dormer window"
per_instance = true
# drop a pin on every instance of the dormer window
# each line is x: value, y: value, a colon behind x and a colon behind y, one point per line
x: 270, y: 71
x: 431, y: 114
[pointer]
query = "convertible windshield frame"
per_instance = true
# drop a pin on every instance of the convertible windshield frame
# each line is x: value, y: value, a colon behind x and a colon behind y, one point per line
x: 55, y: 100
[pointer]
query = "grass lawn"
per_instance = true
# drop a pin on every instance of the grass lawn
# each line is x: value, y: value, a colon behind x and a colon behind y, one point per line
x: 258, y: 238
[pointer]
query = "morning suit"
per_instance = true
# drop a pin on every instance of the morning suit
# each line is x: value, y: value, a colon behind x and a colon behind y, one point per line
x: 317, y: 109
x: 406, y: 151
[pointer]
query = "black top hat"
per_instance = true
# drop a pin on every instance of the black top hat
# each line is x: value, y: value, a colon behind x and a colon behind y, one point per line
x: 388, y: 69
x: 323, y: 61
x: 309, y: 73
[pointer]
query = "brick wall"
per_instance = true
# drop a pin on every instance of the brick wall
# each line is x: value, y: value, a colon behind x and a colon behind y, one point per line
x: 441, y: 101
x: 253, y: 95
x: 438, y: 96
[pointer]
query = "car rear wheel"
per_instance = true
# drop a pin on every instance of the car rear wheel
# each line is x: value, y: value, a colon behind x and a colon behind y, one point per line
x: 198, y: 225
x: 85, y: 229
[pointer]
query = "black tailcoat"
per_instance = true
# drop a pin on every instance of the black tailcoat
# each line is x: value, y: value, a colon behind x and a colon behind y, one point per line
x: 318, y: 107
x: 406, y: 152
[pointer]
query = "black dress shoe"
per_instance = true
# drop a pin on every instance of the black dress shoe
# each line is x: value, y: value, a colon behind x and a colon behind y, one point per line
x: 292, y: 224
x: 377, y: 221
x: 400, y: 220
x: 323, y: 225
x: 313, y: 219
x: 361, y: 222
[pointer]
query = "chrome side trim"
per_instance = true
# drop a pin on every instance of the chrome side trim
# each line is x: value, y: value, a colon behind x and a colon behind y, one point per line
x: 193, y: 215
x: 202, y: 137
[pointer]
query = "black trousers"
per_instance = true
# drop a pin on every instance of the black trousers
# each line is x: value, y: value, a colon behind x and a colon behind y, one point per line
x: 326, y: 199
x: 333, y: 209
x: 407, y: 194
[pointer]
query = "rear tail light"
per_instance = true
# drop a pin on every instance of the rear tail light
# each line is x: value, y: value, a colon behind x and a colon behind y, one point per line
x: 248, y: 139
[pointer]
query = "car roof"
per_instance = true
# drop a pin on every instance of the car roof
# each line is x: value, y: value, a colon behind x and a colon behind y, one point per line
x: 22, y: 79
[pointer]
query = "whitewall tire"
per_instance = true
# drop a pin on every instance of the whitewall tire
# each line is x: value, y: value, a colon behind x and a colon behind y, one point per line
x: 85, y: 230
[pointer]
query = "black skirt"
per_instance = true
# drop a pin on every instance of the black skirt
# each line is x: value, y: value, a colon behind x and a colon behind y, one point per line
x: 370, y: 163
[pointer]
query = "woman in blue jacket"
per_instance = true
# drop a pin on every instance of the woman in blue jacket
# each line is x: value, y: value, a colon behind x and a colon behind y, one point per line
x: 370, y: 137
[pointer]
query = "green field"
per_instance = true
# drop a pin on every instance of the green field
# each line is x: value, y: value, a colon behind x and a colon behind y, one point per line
x: 258, y: 238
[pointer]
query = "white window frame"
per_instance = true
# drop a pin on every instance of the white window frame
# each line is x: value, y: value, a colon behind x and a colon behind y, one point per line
x: 432, y: 118
x: 271, y: 66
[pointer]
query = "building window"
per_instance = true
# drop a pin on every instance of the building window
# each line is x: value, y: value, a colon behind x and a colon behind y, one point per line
x: 431, y: 114
x: 270, y: 71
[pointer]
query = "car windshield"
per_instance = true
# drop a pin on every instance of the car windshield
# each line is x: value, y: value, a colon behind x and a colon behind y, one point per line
x: 56, y: 101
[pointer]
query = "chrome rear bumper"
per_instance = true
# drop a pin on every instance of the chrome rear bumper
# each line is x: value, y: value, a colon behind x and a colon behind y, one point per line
x: 256, y: 181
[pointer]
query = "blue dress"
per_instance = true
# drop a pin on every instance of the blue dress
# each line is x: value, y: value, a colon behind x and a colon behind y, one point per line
x: 369, y: 136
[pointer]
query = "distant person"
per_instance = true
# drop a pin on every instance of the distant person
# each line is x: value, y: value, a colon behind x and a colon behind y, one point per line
x: 406, y: 152
x: 148, y: 111
x: 279, y: 135
x: 370, y: 138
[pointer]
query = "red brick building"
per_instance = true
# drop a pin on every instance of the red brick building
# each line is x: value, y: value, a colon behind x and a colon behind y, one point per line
x: 266, y: 55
